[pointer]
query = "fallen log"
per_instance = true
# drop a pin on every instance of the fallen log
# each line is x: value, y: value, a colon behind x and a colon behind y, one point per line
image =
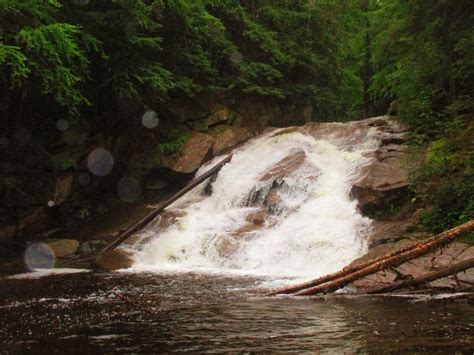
x: 348, y: 270
x: 152, y: 215
x: 418, y: 250
x: 447, y: 271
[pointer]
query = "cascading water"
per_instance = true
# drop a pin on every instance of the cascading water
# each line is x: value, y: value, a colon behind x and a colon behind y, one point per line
x: 296, y: 184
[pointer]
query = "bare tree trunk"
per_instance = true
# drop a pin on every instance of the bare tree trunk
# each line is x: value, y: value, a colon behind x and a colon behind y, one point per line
x: 148, y: 218
x: 447, y: 271
x: 419, y: 250
x: 349, y: 270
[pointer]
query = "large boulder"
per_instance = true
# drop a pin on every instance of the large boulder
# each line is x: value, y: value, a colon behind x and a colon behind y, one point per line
x: 62, y: 247
x: 285, y: 166
x: 62, y: 190
x: 219, y: 115
x: 454, y: 253
x: 229, y: 138
x: 193, y: 154
x: 114, y: 260
x: 394, y: 229
x: 381, y: 183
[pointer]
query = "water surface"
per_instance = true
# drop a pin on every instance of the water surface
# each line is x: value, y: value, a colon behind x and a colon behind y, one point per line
x: 214, y: 313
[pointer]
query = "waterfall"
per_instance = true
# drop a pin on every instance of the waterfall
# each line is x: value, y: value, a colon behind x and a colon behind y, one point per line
x: 281, y: 208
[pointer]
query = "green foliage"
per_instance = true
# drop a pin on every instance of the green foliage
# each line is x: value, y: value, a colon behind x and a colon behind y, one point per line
x: 422, y: 54
x: 36, y: 47
x: 148, y: 51
x: 175, y: 138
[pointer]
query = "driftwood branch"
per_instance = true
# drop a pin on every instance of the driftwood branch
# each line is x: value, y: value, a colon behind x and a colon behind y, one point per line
x: 152, y: 215
x: 447, y: 271
x: 341, y: 278
x: 350, y: 270
x: 419, y: 250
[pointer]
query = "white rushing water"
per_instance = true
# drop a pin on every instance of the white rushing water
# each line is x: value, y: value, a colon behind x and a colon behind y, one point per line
x: 314, y: 229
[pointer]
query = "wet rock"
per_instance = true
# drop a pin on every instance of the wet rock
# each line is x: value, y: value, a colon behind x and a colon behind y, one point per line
x: 193, y: 154
x: 62, y: 190
x: 168, y: 217
x: 33, y: 220
x: 381, y: 183
x: 273, y: 201
x: 390, y: 151
x: 245, y: 229
x: 114, y: 260
x: 7, y: 233
x: 155, y: 183
x: 62, y: 247
x: 87, y: 248
x: 454, y: 253
x: 229, y: 138
x: 227, y: 246
x: 220, y: 114
x: 257, y: 217
x: 394, y: 229
x: 285, y: 167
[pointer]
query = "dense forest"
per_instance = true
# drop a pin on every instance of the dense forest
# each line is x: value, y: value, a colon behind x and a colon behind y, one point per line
x: 137, y: 76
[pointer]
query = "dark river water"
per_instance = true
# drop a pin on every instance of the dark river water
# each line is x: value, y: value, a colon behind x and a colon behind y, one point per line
x: 119, y: 312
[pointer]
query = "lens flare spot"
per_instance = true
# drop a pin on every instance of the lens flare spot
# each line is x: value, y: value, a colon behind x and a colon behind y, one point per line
x: 62, y: 125
x: 50, y: 203
x: 236, y: 57
x: 100, y: 162
x: 39, y: 256
x: 129, y: 189
x: 150, y: 119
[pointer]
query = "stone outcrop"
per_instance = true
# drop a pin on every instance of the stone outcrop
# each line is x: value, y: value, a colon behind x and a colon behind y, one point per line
x: 384, y: 182
x: 62, y: 247
x: 114, y: 260
x: 229, y: 138
x: 193, y: 154
x: 381, y: 189
x: 454, y: 253
x: 62, y: 190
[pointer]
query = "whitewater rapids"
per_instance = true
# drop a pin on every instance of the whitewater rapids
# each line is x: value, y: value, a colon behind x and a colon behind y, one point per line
x: 317, y: 228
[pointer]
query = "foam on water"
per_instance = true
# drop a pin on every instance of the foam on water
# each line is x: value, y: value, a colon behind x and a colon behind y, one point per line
x: 317, y: 230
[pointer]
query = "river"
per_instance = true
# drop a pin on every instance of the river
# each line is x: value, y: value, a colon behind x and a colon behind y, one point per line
x: 82, y: 313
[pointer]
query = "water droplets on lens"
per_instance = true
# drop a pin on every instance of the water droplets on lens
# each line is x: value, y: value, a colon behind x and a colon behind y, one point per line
x: 62, y: 125
x: 236, y: 57
x: 39, y: 256
x: 150, y: 119
x: 129, y: 189
x: 100, y: 162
